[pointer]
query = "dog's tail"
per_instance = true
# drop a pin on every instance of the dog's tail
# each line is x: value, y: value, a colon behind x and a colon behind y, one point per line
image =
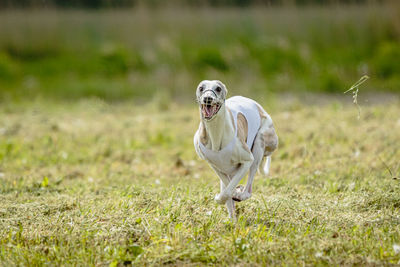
x: 264, y: 165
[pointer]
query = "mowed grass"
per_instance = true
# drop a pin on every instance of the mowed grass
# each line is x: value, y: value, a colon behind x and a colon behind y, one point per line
x: 89, y: 183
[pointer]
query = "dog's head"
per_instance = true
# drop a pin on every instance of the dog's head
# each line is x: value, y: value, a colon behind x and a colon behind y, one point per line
x: 211, y: 97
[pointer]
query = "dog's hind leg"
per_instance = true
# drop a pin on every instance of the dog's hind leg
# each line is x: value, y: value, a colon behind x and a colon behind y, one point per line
x: 258, y: 153
x: 265, y: 143
x: 270, y: 143
x: 265, y: 165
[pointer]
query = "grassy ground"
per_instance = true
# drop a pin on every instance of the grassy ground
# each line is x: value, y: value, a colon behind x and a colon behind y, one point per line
x: 88, y: 183
x: 107, y: 182
x: 120, y: 54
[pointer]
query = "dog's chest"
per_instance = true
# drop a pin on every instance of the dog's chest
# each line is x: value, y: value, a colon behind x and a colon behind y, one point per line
x: 224, y: 159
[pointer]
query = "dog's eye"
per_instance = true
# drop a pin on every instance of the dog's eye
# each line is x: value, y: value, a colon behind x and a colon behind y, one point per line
x: 218, y: 89
x: 201, y: 89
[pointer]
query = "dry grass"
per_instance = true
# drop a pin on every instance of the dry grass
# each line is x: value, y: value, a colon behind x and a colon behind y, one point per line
x: 94, y: 184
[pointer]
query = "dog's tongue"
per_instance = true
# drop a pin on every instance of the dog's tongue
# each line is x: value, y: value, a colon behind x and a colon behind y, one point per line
x: 210, y: 110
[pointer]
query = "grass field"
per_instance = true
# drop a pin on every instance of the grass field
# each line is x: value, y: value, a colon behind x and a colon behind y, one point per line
x: 97, y: 117
x: 89, y: 183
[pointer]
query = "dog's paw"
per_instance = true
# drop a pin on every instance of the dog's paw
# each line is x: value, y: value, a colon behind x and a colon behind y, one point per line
x: 221, y: 198
x: 237, y: 193
x: 240, y: 194
x: 245, y: 195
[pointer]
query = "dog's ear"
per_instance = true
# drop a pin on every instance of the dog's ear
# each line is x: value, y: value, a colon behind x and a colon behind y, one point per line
x: 223, y: 87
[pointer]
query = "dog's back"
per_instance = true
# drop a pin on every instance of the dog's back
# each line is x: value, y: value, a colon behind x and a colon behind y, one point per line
x: 249, y: 109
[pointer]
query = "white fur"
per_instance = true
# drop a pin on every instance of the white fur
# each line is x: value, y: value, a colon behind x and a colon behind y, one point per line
x: 219, y: 132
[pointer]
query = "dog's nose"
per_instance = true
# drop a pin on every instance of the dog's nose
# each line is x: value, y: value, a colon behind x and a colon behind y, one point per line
x: 207, y: 100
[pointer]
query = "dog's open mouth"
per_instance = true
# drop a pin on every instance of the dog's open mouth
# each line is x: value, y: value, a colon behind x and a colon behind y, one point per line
x: 210, y: 110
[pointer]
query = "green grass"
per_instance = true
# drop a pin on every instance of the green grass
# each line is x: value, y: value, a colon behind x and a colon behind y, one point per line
x: 89, y: 183
x: 93, y: 173
x: 136, y: 54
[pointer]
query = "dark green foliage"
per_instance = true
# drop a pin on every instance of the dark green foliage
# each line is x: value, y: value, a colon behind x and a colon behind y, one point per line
x: 387, y: 60
x: 211, y: 57
x: 114, y: 60
x: 276, y: 59
x: 7, y: 67
x: 330, y: 82
x: 119, y: 55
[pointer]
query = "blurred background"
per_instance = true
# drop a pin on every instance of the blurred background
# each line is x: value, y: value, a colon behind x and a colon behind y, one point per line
x: 119, y: 50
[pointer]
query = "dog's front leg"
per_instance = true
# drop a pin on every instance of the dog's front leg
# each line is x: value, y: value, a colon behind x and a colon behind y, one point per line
x: 228, y: 191
x: 224, y: 182
x: 230, y: 205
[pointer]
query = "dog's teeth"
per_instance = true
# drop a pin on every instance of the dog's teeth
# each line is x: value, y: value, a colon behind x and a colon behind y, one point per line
x: 209, y: 110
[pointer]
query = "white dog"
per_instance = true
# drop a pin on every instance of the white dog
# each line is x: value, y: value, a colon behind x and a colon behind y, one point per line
x: 234, y: 136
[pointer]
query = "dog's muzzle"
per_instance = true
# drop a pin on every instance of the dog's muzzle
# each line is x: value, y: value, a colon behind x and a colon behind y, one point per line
x: 209, y: 105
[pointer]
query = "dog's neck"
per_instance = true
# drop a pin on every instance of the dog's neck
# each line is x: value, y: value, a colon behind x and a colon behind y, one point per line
x: 218, y: 129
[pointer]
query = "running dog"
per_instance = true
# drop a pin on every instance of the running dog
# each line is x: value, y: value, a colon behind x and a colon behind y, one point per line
x: 235, y: 136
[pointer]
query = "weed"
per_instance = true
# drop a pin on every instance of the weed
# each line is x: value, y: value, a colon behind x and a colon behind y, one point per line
x: 354, y: 88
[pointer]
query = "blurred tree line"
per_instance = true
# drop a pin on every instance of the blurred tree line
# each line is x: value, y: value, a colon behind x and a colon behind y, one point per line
x: 157, y: 3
